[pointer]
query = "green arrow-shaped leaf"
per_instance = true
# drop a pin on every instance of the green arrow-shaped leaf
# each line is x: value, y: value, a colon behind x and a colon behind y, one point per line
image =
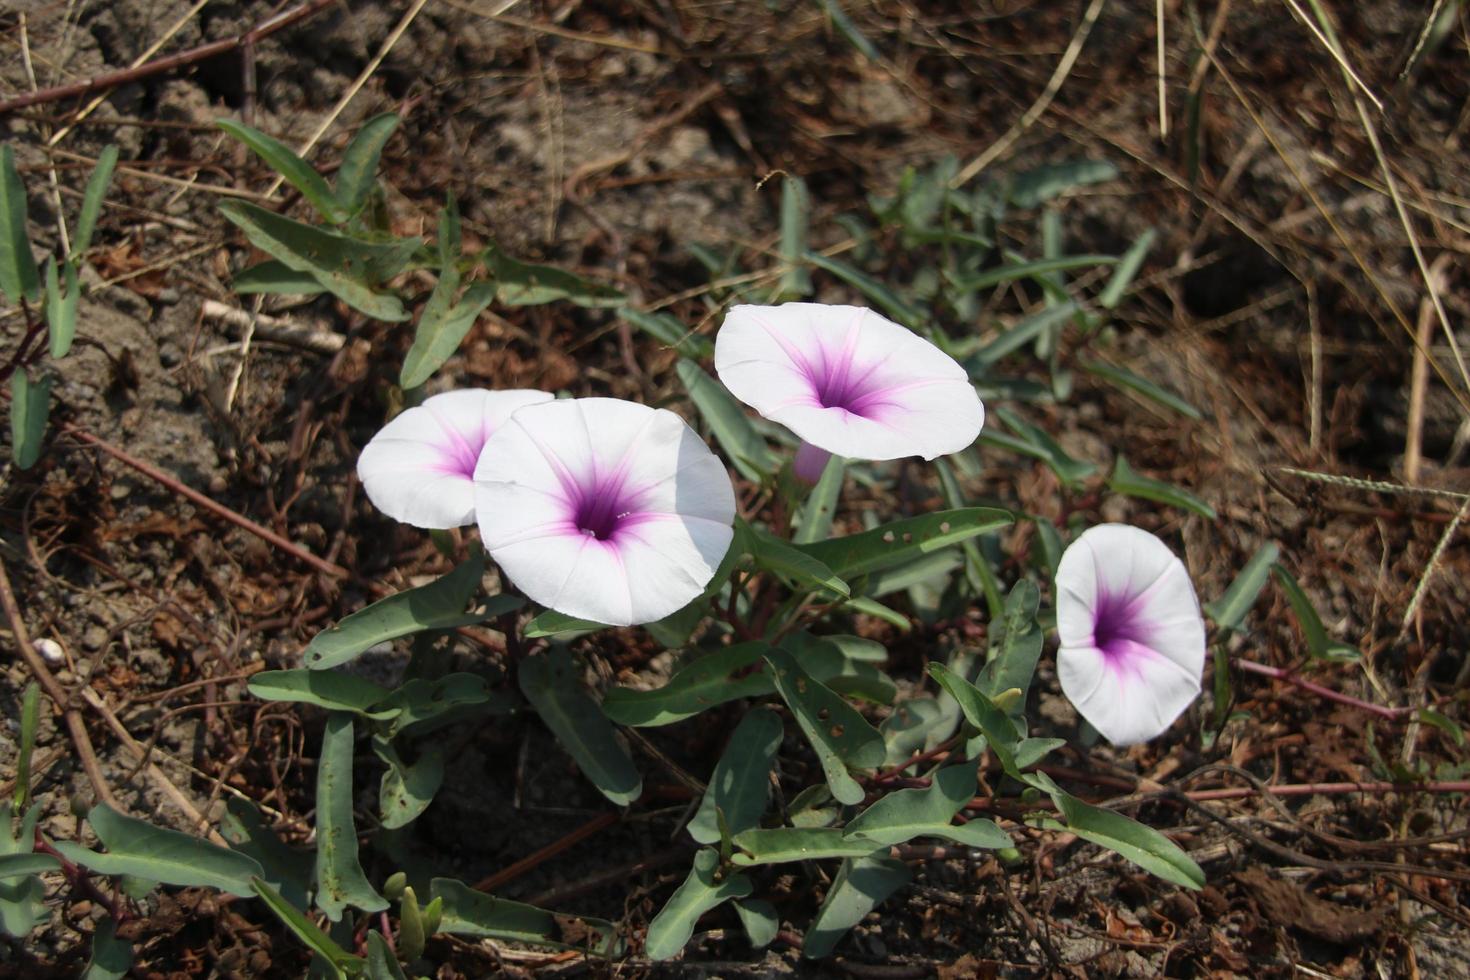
x: 741, y: 785
x: 551, y: 684
x: 340, y: 880
x: 701, y: 891
x: 135, y: 847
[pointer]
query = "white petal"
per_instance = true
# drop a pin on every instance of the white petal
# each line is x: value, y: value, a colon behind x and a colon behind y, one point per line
x: 639, y: 475
x: 419, y: 467
x: 1132, y: 637
x: 847, y: 380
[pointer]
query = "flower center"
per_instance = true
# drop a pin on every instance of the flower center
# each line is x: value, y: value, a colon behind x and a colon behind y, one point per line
x: 1116, y: 633
x: 599, y: 516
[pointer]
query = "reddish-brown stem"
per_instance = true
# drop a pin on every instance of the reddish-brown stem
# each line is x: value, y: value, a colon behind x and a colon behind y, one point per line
x: 546, y: 853
x: 80, y: 880
x: 1276, y: 673
x: 200, y: 500
x: 1329, y: 789
x: 110, y: 79
x: 918, y: 758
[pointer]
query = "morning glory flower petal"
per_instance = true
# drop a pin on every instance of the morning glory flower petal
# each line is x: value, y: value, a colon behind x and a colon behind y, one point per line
x: 604, y: 509
x: 420, y: 467
x: 1132, y: 637
x: 848, y: 381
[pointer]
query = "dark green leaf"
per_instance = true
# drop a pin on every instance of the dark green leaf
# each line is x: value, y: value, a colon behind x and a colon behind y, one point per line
x: 20, y: 865
x: 135, y: 847
x: 406, y: 790
x: 782, y: 845
x: 18, y: 276
x: 1046, y: 182
x: 760, y: 920
x: 1319, y: 644
x: 1032, y: 441
x: 30, y: 720
x: 61, y: 308
x: 1015, y: 645
x: 907, y: 730
x: 524, y: 284
x: 1032, y: 270
x: 1229, y: 610
x: 297, y: 172
x: 881, y: 295
x: 849, y: 30
x: 381, y: 963
x: 860, y: 886
x: 339, y: 876
x: 1126, y: 480
x: 551, y: 684
x: 727, y: 420
x: 669, y: 331
x: 1144, y: 846
x: 287, y: 869
x: 341, y: 961
x: 553, y: 623
x: 838, y: 733
x: 789, y: 562
x: 22, y: 902
x: 360, y: 162
x: 814, y: 520
x: 712, y: 679
x: 999, y: 730
x: 796, y: 203
x: 347, y: 267
x: 1148, y: 389
x: 30, y: 404
x: 324, y: 688
x: 701, y: 891
x: 271, y: 276
x: 438, y: 605
x: 741, y: 785
x: 904, y: 814
x: 471, y: 913
x: 902, y: 541
x: 421, y: 705
x: 112, y: 957
x: 92, y: 201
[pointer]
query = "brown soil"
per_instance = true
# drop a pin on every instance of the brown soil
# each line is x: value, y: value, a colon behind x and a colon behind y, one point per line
x: 610, y: 136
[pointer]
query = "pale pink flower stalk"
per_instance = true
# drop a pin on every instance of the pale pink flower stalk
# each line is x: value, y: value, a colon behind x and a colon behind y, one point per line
x: 420, y: 467
x: 1132, y: 637
x: 847, y: 382
x: 604, y: 509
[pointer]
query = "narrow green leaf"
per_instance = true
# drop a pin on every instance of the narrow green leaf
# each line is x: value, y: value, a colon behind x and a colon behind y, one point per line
x: 18, y: 276
x: 343, y: 962
x: 30, y: 720
x: 324, y: 688
x: 421, y: 705
x: 932, y: 572
x: 61, y: 308
x: 903, y: 541
x: 876, y: 609
x: 1046, y: 182
x: 671, y: 929
x: 359, y: 164
x: 135, y: 847
x: 92, y: 201
x: 30, y: 404
x: 908, y: 728
x: 838, y: 733
x: 471, y: 913
x: 1032, y: 270
x: 1129, y: 482
x: 527, y: 284
x: 1015, y: 645
x: 1229, y: 610
x: 347, y: 267
x: 728, y: 422
x: 297, y: 172
x: 441, y: 332
x: 1143, y: 386
x: 881, y: 295
x: 1128, y: 267
x: 741, y: 785
x: 553, y: 623
x: 1024, y: 332
x: 814, y: 520
x: 407, y: 789
x: 849, y: 30
x: 789, y: 562
x: 550, y: 682
x: 759, y: 919
x: 438, y: 605
x: 782, y: 845
x: 286, y: 869
x: 1144, y: 846
x: 669, y: 331
x: 340, y: 881
x: 861, y: 885
x: 381, y: 963
x: 828, y: 660
x: 23, y: 901
x: 714, y: 678
x: 273, y: 277
x: 1434, y: 718
x: 796, y: 203
x: 999, y: 730
x: 112, y: 957
x: 902, y: 815
x: 1319, y: 644
x: 20, y: 865
x: 1035, y: 442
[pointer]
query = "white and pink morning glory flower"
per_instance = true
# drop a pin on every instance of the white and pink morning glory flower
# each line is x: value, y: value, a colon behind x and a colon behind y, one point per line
x: 604, y: 509
x: 1132, y: 638
x: 420, y: 467
x: 847, y: 382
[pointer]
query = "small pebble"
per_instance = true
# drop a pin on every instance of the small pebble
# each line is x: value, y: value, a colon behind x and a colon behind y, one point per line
x: 50, y: 651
